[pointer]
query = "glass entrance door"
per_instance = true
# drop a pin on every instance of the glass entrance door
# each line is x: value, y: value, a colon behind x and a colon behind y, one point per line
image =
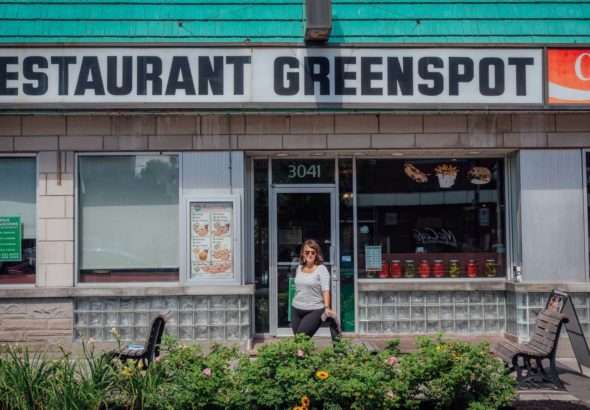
x: 299, y: 214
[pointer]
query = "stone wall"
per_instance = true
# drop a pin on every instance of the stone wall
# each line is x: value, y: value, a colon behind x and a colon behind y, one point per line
x: 44, y: 324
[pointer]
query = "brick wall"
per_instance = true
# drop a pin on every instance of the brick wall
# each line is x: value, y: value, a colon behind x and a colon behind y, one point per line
x: 273, y: 132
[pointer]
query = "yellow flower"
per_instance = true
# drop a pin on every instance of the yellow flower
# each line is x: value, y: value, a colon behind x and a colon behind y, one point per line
x: 126, y: 372
x: 322, y: 374
x: 298, y: 408
x: 305, y: 402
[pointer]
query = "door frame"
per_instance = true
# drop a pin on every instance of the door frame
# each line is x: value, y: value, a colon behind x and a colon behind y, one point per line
x: 331, y: 189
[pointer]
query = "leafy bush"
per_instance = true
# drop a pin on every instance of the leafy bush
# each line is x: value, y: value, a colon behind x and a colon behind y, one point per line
x: 288, y: 374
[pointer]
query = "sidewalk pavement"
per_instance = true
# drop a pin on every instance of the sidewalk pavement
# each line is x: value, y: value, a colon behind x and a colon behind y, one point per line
x: 576, y: 386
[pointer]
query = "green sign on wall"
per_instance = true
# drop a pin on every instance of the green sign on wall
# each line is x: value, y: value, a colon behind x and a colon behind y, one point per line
x: 11, y: 236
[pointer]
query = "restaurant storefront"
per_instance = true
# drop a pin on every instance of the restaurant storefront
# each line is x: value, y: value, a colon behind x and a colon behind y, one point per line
x: 447, y: 187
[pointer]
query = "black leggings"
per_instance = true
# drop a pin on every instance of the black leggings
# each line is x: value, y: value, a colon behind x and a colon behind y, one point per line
x: 309, y: 321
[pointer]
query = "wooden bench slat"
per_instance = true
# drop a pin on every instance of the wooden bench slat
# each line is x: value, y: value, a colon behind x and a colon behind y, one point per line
x: 550, y: 316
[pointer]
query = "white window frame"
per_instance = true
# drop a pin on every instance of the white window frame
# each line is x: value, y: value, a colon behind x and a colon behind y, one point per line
x: 586, y: 191
x: 136, y: 284
x: 507, y: 231
x: 37, y: 220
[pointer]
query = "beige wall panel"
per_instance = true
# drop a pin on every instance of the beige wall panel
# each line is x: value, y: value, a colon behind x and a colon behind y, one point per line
x: 445, y: 123
x: 44, y: 125
x: 10, y: 125
x: 312, y: 124
x: 89, y: 125
x: 267, y: 124
x: 356, y: 123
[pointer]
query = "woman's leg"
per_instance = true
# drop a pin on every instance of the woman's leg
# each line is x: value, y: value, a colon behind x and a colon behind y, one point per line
x: 335, y: 330
x: 296, y: 315
x: 310, y: 322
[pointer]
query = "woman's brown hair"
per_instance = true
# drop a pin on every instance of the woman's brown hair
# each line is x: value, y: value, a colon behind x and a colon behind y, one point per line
x: 313, y: 244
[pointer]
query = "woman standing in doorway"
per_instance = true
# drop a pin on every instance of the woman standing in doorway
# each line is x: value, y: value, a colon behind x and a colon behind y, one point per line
x: 311, y: 304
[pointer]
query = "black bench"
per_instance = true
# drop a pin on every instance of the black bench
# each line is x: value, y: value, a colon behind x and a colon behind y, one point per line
x: 526, y: 359
x: 150, y: 350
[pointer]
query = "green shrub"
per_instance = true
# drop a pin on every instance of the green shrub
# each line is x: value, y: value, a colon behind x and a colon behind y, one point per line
x: 454, y: 375
x: 24, y: 380
x: 288, y: 374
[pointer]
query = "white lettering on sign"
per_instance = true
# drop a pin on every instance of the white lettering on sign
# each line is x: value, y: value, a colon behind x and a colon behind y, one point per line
x: 433, y: 236
x: 303, y: 171
x: 578, y: 67
x: 274, y: 76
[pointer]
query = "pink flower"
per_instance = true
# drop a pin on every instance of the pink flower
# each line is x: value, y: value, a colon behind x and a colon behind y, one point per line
x: 392, y: 360
x: 207, y: 371
x: 300, y: 353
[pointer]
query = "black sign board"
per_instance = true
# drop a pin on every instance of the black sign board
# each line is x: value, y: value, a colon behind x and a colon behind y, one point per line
x: 303, y: 171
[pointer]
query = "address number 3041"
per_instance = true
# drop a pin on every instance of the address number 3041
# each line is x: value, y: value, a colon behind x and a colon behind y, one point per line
x: 304, y: 171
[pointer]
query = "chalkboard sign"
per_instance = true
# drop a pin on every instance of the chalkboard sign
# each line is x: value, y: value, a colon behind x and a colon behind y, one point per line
x: 561, y: 302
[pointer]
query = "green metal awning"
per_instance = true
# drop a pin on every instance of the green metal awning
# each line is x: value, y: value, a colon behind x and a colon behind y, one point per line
x: 282, y: 21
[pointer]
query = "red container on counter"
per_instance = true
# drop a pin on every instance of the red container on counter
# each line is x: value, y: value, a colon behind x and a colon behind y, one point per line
x: 395, y: 269
x: 438, y: 269
x: 424, y: 269
x: 471, y: 269
x: 384, y: 273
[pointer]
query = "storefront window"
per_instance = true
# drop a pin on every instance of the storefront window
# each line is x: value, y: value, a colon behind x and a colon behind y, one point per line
x: 261, y: 245
x: 128, y: 218
x: 345, y: 182
x: 18, y: 193
x: 431, y: 218
x: 588, y: 190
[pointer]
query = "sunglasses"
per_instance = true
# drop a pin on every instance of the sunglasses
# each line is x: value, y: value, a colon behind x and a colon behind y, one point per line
x: 309, y: 252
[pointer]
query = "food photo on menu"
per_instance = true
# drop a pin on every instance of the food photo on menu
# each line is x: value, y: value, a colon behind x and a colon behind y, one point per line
x: 211, y: 238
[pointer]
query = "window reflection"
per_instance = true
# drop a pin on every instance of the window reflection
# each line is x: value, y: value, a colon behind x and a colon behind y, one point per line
x: 128, y: 216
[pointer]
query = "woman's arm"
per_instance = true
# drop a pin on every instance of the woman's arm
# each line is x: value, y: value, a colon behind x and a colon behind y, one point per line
x: 325, y: 284
x: 326, y: 295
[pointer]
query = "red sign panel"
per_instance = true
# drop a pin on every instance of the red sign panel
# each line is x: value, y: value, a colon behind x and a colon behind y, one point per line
x: 569, y: 76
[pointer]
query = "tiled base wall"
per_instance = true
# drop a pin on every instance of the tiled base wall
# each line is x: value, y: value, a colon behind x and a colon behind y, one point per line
x: 202, y: 318
x: 433, y: 311
x: 471, y: 313
x: 528, y: 305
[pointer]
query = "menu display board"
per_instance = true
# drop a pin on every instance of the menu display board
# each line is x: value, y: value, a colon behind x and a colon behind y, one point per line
x: 211, y: 239
x: 10, y: 239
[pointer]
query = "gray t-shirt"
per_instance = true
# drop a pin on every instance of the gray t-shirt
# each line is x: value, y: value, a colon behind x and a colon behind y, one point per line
x: 309, y: 288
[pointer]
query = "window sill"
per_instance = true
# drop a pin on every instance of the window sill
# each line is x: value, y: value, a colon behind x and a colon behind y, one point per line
x: 18, y: 279
x: 122, y: 277
x: 433, y: 284
x: 127, y: 291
